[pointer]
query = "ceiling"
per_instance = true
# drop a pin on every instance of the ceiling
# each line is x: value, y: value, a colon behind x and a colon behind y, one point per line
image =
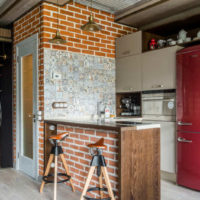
x: 153, y: 15
x: 109, y: 5
x: 10, y: 10
x: 2, y: 2
x: 165, y: 9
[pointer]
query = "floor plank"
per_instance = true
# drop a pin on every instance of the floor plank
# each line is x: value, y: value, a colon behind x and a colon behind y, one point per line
x: 15, y: 185
x: 171, y: 191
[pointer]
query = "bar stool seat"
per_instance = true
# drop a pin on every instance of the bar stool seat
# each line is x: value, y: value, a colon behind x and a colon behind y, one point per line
x: 98, y: 161
x: 99, y: 144
x: 59, y: 137
x: 55, y: 152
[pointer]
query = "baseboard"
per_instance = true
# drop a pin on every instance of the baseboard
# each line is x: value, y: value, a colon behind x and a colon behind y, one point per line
x: 39, y: 178
x: 168, y: 176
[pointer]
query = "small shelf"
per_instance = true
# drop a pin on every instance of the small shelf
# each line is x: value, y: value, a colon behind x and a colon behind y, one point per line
x: 147, y: 36
x: 136, y: 100
x: 162, y: 48
x: 191, y: 43
x: 185, y: 44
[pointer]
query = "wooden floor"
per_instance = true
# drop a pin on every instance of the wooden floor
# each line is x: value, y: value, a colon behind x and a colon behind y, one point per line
x: 17, y: 186
x: 170, y: 191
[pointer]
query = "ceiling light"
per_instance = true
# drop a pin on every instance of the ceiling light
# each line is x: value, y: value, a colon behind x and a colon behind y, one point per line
x: 57, y: 38
x: 91, y: 25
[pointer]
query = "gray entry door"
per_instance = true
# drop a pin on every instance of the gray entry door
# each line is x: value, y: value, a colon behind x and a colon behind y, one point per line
x: 27, y: 106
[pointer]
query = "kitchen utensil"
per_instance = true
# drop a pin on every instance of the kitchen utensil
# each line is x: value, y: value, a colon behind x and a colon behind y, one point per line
x: 188, y: 39
x: 126, y: 100
x: 169, y: 40
x: 172, y: 43
x: 198, y: 34
x: 161, y: 43
x: 179, y: 41
x: 152, y: 44
x: 182, y: 35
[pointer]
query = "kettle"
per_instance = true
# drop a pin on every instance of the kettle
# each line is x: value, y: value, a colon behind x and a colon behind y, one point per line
x: 182, y: 35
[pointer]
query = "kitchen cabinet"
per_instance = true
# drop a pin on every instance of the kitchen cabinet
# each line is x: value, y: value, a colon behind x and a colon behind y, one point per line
x: 129, y: 45
x: 128, y: 74
x: 167, y: 145
x: 159, y: 69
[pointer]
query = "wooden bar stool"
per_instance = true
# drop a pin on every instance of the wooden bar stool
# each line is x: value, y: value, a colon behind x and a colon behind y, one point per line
x: 98, y: 161
x: 55, y: 152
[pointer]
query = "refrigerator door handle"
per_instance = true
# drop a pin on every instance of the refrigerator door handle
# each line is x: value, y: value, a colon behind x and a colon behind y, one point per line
x: 184, y: 124
x: 184, y: 140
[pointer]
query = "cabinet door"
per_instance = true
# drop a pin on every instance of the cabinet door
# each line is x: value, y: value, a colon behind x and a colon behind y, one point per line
x: 188, y: 160
x: 129, y: 45
x: 159, y: 69
x: 168, y: 147
x: 128, y: 74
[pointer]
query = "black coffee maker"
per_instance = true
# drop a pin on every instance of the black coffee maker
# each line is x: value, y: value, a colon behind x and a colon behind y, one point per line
x: 129, y: 106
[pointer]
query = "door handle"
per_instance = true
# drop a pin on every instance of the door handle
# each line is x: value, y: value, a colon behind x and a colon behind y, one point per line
x: 184, y: 124
x: 126, y: 52
x: 32, y: 115
x: 180, y: 139
x: 158, y: 86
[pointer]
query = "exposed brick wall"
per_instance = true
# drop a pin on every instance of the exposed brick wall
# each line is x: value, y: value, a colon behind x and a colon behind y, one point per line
x: 42, y: 20
x: 78, y: 154
x: 71, y: 18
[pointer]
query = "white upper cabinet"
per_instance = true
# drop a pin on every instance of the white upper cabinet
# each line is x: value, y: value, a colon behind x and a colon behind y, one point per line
x: 129, y: 45
x: 128, y: 74
x: 159, y: 69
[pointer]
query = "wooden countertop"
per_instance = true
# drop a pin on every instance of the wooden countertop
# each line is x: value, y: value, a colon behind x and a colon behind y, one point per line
x: 107, y: 125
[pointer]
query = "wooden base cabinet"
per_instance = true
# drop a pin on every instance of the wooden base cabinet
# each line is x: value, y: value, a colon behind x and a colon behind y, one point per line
x: 140, y: 164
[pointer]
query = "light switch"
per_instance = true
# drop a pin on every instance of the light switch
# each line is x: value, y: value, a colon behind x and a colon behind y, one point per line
x: 59, y: 105
x: 57, y: 76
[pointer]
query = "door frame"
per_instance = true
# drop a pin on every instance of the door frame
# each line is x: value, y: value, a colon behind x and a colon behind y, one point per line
x: 18, y: 99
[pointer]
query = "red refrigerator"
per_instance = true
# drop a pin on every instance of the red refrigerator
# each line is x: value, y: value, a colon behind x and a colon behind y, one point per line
x: 188, y: 117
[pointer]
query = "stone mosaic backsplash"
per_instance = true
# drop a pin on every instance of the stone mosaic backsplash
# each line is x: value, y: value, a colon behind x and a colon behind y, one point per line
x: 80, y: 80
